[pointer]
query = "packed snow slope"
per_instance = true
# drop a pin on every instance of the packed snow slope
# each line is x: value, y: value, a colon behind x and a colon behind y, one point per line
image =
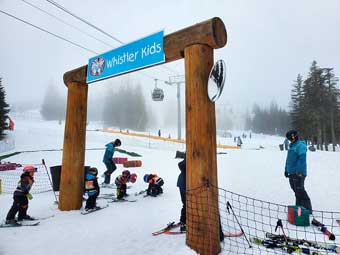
x: 125, y: 228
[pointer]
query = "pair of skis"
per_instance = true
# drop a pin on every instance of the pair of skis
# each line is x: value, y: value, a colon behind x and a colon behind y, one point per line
x: 169, y: 230
x: 309, y: 244
x: 26, y: 223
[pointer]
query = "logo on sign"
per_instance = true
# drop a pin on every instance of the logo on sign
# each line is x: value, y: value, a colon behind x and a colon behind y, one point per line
x: 97, y: 66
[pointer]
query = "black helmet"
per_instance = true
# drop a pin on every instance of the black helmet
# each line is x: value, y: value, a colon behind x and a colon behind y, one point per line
x: 117, y: 142
x: 93, y: 171
x: 292, y: 135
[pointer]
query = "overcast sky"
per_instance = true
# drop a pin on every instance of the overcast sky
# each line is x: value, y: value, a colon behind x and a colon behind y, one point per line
x: 269, y: 43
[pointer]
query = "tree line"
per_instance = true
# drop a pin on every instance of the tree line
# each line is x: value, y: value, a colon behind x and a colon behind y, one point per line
x: 314, y: 110
x: 4, y: 110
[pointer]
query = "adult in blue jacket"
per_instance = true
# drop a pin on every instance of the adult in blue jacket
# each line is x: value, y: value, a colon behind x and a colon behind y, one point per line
x: 107, y: 160
x: 296, y: 169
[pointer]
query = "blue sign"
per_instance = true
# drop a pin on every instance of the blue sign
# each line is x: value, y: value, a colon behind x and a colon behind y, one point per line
x: 144, y: 52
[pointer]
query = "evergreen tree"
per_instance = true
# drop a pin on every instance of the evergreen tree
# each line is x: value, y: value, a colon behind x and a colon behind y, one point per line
x: 4, y: 110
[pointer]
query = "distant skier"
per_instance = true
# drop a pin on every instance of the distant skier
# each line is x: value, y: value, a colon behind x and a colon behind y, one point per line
x: 296, y: 169
x: 155, y: 184
x: 91, y: 188
x: 239, y: 141
x: 121, y: 182
x: 107, y: 159
x: 21, y: 196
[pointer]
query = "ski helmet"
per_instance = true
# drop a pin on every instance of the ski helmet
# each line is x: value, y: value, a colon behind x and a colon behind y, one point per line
x: 126, y: 173
x: 93, y: 171
x: 133, y: 178
x: 146, y: 177
x: 28, y: 169
x: 292, y: 135
x: 117, y: 142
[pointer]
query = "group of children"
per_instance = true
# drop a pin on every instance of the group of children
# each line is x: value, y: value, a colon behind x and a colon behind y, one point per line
x: 22, y: 193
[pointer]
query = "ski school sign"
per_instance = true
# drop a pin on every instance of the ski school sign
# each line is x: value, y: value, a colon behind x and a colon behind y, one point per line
x: 144, y: 52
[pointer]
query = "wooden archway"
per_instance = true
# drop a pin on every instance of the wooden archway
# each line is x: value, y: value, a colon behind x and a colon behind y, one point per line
x: 195, y: 44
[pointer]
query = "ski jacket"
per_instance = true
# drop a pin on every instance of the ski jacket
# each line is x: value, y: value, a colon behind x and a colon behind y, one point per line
x: 296, y: 158
x: 181, y: 181
x: 121, y: 180
x: 91, y: 185
x: 24, y: 185
x: 109, y: 151
x: 154, y: 179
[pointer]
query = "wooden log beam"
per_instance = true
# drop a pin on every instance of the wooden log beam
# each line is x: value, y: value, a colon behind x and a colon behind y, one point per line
x: 201, y: 166
x: 211, y: 32
x: 72, y: 171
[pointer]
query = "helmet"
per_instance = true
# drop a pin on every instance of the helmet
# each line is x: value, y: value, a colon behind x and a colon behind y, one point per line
x: 93, y: 171
x: 28, y: 169
x: 133, y: 178
x: 292, y: 135
x: 126, y: 173
x: 146, y: 177
x: 117, y: 142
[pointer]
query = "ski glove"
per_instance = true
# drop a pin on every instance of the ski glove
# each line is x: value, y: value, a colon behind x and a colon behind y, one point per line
x: 29, y: 196
x: 299, y: 174
x: 286, y: 174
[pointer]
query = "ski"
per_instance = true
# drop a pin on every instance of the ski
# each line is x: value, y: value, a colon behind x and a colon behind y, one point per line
x: 238, y: 234
x: 116, y: 200
x: 308, y: 243
x: 287, y: 247
x: 323, y: 229
x: 168, y: 227
x: 140, y: 192
x: 85, y: 212
x: 172, y: 232
x: 4, y: 225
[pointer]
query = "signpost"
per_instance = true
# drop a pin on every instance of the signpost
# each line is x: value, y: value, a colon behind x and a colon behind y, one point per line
x: 139, y: 54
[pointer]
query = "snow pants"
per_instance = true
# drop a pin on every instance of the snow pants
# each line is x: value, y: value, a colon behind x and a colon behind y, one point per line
x: 297, y: 183
x: 110, y: 168
x: 20, y: 204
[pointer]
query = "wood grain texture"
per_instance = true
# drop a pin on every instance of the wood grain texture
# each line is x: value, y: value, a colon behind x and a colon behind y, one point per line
x: 72, y: 173
x: 201, y: 164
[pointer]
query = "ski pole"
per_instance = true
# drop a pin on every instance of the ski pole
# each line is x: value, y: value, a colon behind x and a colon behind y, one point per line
x: 244, y: 234
x: 279, y: 224
x: 49, y: 178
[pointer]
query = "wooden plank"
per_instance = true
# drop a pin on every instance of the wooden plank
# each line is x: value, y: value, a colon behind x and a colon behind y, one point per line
x: 72, y: 173
x: 211, y: 32
x: 202, y: 210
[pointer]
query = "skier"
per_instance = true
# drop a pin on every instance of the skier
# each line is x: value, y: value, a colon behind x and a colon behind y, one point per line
x: 21, y: 196
x: 181, y: 184
x: 91, y: 188
x: 107, y: 159
x: 239, y: 141
x: 121, y: 182
x: 155, y: 184
x: 296, y: 169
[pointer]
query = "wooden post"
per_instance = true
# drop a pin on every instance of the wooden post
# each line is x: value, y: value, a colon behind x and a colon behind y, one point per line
x: 72, y: 172
x: 203, y: 217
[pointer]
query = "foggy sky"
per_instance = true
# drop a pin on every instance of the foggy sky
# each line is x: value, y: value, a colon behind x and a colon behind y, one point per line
x: 269, y: 43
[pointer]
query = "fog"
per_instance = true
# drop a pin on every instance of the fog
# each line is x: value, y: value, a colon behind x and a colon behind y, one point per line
x: 269, y: 43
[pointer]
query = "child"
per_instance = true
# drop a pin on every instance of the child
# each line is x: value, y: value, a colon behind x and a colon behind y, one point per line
x: 107, y: 160
x: 21, y: 196
x: 91, y: 188
x: 155, y: 184
x: 121, y: 182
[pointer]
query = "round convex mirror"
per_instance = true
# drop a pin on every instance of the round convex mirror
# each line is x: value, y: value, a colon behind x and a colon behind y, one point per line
x: 216, y: 80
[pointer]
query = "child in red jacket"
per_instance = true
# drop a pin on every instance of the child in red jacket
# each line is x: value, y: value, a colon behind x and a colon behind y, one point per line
x: 121, y: 182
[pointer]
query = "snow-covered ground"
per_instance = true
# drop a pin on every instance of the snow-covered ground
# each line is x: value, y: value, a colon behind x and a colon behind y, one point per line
x: 125, y: 228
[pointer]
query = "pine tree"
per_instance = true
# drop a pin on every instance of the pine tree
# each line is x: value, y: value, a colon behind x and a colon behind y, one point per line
x: 4, y: 110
